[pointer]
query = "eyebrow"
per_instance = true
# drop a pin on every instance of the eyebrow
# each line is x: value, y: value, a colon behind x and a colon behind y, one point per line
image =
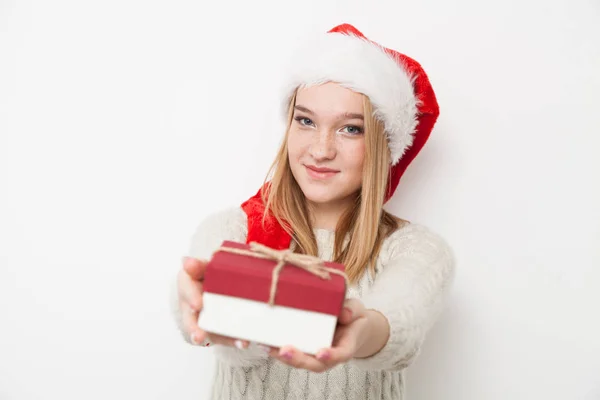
x: 344, y: 115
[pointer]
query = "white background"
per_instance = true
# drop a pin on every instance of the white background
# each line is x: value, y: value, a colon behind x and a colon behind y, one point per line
x: 123, y: 123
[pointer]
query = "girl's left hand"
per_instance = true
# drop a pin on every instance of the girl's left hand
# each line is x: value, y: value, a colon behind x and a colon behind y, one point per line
x: 351, y: 334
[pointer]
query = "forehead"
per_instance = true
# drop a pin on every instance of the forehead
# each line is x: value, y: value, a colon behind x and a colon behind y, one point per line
x: 330, y: 98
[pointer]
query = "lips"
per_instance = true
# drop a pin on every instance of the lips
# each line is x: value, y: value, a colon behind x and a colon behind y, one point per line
x: 320, y: 172
x: 317, y: 169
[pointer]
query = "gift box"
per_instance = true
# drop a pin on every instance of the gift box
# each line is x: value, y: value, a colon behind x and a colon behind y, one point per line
x: 272, y: 297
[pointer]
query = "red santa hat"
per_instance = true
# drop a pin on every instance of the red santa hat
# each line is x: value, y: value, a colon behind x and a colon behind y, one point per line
x: 397, y: 86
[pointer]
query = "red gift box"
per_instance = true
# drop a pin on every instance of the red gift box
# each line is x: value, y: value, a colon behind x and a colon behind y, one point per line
x: 254, y: 297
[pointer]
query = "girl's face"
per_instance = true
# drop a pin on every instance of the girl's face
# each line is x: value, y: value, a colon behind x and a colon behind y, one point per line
x: 326, y: 145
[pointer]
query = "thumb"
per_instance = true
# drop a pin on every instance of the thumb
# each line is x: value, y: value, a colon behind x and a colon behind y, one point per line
x: 194, y: 268
x: 352, y: 310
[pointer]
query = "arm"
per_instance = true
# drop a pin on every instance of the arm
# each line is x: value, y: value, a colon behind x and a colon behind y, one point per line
x: 229, y: 224
x: 378, y: 334
x: 409, y: 293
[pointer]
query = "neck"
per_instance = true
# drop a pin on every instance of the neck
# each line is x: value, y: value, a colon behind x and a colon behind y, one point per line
x: 327, y: 215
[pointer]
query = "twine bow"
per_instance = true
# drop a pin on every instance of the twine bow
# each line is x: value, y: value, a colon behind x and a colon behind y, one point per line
x: 309, y: 263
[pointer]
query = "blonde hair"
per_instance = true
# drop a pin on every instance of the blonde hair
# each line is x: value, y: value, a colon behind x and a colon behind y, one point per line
x: 366, y: 223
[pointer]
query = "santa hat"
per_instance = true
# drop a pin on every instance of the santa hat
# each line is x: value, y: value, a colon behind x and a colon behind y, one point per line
x: 397, y: 86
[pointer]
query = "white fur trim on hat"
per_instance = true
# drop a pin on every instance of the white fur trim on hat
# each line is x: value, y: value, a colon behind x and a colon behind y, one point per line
x: 364, y: 67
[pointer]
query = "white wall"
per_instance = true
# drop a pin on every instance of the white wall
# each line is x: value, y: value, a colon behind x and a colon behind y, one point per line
x: 123, y: 123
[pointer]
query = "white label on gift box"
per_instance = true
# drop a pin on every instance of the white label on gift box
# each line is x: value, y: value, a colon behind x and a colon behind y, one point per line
x: 277, y: 326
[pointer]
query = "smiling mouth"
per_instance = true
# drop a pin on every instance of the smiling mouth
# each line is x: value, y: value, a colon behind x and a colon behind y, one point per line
x: 320, y: 173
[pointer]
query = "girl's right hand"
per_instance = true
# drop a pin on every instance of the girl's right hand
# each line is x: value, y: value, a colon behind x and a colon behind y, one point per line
x: 190, y: 289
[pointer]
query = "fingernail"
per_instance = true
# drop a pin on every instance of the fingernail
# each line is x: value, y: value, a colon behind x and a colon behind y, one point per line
x: 348, y: 311
x: 323, y: 355
x: 239, y: 344
x: 287, y: 355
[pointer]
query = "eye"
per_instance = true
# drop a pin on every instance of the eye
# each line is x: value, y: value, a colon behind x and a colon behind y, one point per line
x: 304, y: 121
x: 353, y: 130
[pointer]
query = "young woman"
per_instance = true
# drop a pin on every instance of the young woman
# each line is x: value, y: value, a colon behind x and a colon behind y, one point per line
x: 357, y: 115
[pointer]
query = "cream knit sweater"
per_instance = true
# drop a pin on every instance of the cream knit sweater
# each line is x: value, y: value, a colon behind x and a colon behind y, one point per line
x: 414, y: 271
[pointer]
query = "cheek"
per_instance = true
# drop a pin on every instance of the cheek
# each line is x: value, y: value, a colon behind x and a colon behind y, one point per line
x: 356, y: 160
x: 296, y: 146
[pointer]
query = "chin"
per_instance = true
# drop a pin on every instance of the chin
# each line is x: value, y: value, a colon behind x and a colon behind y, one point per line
x: 320, y: 199
x: 323, y: 195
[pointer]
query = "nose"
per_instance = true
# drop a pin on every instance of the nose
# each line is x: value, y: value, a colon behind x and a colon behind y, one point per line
x: 323, y: 146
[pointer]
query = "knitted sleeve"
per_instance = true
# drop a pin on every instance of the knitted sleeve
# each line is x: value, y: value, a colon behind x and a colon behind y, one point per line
x: 415, y: 273
x: 227, y: 224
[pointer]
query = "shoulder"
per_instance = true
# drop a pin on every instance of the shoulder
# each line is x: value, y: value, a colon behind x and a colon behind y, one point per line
x: 225, y: 224
x: 419, y: 242
x: 414, y: 260
x: 229, y: 219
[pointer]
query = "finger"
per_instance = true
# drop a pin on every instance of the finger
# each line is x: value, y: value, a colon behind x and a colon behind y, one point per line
x: 352, y: 310
x: 343, y: 349
x: 194, y: 268
x: 266, y: 349
x: 297, y: 359
x: 335, y: 355
x: 190, y: 291
x: 189, y: 319
x: 199, y: 336
x: 228, y: 341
